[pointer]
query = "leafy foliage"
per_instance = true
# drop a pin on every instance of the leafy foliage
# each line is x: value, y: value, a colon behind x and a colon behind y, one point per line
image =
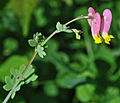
x: 37, y: 40
x: 64, y: 28
x: 28, y: 76
x: 12, y: 62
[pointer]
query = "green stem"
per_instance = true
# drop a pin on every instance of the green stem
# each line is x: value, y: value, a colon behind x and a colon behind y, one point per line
x: 80, y: 17
x: 12, y: 90
x: 56, y: 31
x: 34, y: 55
x: 31, y: 60
x: 20, y: 78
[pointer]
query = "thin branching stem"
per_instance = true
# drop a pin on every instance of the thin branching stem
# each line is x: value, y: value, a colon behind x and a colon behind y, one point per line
x: 34, y: 55
x: 80, y: 17
x: 12, y: 90
x: 69, y: 22
x: 31, y: 60
x: 20, y: 78
x: 56, y: 31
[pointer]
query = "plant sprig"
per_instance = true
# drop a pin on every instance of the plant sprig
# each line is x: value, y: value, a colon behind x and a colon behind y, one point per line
x: 26, y: 74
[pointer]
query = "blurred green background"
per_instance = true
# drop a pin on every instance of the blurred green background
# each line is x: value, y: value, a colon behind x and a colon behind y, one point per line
x: 74, y: 71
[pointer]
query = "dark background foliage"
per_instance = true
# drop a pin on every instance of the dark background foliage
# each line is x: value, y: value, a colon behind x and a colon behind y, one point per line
x: 74, y: 71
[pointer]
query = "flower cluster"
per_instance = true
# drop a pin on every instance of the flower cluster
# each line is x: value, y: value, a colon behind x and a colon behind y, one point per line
x: 100, y: 25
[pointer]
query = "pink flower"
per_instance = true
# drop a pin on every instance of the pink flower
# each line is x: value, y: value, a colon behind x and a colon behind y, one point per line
x: 99, y: 24
x: 95, y: 23
x: 105, y: 25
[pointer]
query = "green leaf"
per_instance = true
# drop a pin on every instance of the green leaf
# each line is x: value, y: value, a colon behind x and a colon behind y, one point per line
x: 32, y: 42
x: 28, y: 72
x: 9, y: 83
x: 7, y: 87
x: 21, y: 68
x: 61, y: 27
x: 40, y: 51
x: 32, y: 78
x: 85, y: 92
x: 38, y: 34
x: 15, y: 74
x: 12, y: 62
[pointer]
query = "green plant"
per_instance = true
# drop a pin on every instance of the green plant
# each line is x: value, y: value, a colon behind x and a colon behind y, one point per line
x: 26, y: 74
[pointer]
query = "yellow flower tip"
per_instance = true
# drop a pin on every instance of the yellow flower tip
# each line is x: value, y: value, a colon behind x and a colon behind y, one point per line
x: 98, y: 39
x: 108, y: 38
x: 111, y: 36
x: 107, y: 42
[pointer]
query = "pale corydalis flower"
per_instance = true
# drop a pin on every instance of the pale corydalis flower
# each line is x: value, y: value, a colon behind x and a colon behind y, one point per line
x: 95, y: 28
x: 94, y: 21
x: 105, y: 25
x: 100, y: 25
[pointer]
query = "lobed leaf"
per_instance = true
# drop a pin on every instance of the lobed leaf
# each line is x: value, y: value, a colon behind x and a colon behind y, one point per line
x: 9, y: 83
x: 40, y: 51
x: 32, y: 42
x: 12, y: 62
x: 29, y: 76
x: 28, y: 72
x: 61, y: 27
x: 32, y: 78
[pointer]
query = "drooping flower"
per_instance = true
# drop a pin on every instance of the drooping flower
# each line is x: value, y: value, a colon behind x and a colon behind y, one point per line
x: 101, y: 25
x: 105, y: 25
x: 95, y: 28
x: 94, y: 21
